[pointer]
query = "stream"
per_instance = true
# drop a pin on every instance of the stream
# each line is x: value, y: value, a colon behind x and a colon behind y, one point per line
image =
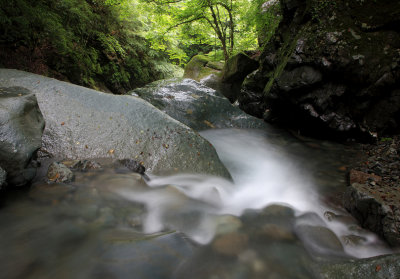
x: 280, y: 216
x: 266, y: 221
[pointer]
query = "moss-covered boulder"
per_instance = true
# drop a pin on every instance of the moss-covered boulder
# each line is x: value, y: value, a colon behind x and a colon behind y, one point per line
x: 333, y: 67
x: 235, y: 70
x: 200, y: 67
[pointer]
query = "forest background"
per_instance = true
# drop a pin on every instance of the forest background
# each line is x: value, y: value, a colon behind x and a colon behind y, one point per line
x: 118, y: 45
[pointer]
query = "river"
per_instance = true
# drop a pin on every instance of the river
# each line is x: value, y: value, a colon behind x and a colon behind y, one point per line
x: 278, y: 217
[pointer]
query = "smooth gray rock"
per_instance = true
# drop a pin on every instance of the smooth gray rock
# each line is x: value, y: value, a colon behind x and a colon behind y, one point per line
x: 196, y: 105
x: 21, y: 127
x: 84, y: 123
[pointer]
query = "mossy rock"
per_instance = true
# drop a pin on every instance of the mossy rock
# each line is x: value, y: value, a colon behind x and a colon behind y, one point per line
x: 200, y: 67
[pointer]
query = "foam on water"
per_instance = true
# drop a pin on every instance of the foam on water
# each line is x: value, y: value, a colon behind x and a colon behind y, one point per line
x: 262, y: 174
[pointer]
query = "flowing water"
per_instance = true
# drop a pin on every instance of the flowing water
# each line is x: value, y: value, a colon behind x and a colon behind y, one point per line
x: 278, y: 216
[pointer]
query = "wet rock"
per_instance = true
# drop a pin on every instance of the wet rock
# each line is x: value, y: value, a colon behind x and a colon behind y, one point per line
x: 230, y: 244
x: 376, y: 208
x: 3, y: 176
x: 83, y: 165
x: 200, y: 67
x: 21, y: 127
x: 387, y: 266
x: 59, y: 173
x: 234, y: 72
x: 353, y: 240
x: 50, y: 194
x: 196, y: 105
x: 227, y: 224
x: 272, y: 232
x: 343, y: 219
x: 131, y: 165
x: 82, y: 123
x: 127, y: 253
x: 327, y: 72
x: 280, y: 215
x: 320, y: 240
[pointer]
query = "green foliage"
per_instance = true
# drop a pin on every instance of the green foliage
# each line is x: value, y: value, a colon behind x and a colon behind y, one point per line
x: 85, y: 42
x: 265, y: 16
x: 125, y: 43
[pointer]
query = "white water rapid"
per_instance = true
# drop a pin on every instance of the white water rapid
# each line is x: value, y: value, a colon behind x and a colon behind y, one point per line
x: 263, y: 173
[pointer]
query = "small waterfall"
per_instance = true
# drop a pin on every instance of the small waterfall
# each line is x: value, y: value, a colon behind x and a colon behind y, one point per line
x: 263, y: 173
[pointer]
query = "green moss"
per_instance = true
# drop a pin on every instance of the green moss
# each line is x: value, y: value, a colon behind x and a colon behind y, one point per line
x: 283, y: 58
x: 198, y: 68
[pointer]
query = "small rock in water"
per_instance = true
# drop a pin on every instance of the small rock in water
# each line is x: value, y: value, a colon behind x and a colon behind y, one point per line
x: 131, y: 165
x: 59, y: 172
x: 230, y: 244
x: 353, y: 240
x: 83, y: 165
x: 275, y: 232
x: 320, y: 240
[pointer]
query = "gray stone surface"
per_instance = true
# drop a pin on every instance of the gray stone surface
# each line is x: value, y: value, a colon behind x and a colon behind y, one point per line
x: 84, y: 123
x: 196, y: 105
x: 21, y: 127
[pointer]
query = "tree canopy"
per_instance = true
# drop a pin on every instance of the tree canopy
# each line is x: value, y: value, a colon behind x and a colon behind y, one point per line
x: 124, y: 43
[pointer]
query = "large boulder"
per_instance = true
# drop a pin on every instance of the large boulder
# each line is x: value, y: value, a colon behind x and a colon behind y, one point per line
x: 234, y: 72
x: 200, y: 67
x: 333, y: 67
x: 377, y: 208
x: 21, y: 128
x: 84, y: 123
x: 196, y: 105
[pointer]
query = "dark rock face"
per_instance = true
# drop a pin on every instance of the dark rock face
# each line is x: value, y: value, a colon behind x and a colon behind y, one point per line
x: 376, y: 208
x: 331, y: 68
x: 234, y: 72
x: 21, y: 128
x: 3, y: 176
